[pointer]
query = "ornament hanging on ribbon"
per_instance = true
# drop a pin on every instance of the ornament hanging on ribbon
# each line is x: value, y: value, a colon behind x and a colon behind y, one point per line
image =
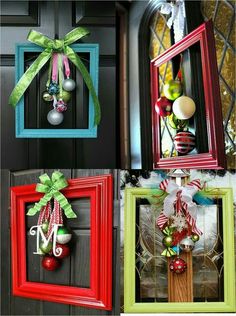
x: 51, y: 234
x: 59, y: 84
x: 177, y: 221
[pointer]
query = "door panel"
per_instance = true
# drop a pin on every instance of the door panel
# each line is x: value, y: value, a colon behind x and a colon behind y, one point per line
x: 75, y: 269
x: 60, y: 153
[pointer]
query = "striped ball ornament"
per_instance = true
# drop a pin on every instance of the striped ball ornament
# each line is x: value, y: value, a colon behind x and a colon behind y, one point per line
x: 184, y: 142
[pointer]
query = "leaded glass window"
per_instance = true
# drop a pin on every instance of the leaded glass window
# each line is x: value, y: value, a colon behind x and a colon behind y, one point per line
x: 151, y: 267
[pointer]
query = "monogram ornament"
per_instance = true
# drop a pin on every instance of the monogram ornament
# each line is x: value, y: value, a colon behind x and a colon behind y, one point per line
x: 52, y: 237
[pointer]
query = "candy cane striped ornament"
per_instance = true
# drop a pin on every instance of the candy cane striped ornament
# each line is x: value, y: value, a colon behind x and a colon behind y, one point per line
x: 184, y: 142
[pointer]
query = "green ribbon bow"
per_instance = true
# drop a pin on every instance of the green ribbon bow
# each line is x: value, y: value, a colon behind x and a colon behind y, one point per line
x: 57, y: 45
x: 168, y: 252
x: 51, y: 188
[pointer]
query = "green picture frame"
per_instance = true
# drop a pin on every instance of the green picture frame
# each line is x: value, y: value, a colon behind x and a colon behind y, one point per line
x: 131, y: 306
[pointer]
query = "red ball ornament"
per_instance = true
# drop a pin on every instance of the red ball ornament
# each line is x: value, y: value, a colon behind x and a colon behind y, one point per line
x: 163, y: 106
x: 178, y: 265
x: 50, y: 263
x: 184, y: 142
x: 64, y: 249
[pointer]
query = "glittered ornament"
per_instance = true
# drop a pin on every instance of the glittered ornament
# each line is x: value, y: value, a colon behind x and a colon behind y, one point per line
x: 61, y: 106
x: 68, y: 84
x: 178, y: 265
x: 187, y: 244
x: 53, y: 88
x: 64, y: 249
x: 63, y: 235
x: 184, y: 142
x: 65, y: 96
x: 45, y: 226
x: 50, y: 263
x: 163, y: 106
x: 184, y: 107
x: 46, y: 247
x: 47, y: 97
x: 172, y: 89
x: 175, y: 123
x: 195, y: 237
x: 167, y: 241
x: 54, y: 117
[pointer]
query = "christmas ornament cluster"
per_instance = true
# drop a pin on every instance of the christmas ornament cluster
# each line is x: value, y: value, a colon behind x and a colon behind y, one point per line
x: 179, y: 109
x: 52, y: 236
x: 51, y: 262
x: 58, y: 88
x: 178, y: 222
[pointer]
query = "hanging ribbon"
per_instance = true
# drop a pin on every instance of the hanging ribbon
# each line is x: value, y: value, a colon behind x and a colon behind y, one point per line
x: 180, y: 198
x: 56, y: 217
x: 177, y: 11
x: 67, y: 66
x: 168, y: 252
x: 51, y: 188
x: 45, y: 213
x: 55, y: 46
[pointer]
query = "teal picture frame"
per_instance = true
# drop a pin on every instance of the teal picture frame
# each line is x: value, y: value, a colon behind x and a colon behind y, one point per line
x: 91, y: 131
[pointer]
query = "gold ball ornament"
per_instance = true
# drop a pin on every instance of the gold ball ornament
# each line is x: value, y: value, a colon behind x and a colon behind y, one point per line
x: 66, y: 96
x: 167, y: 241
x: 172, y: 89
x: 46, y: 247
x: 195, y: 237
x: 47, y: 97
x: 184, y: 107
x: 45, y: 227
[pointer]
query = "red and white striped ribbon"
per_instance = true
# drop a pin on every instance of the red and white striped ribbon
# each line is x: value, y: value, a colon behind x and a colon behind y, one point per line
x: 179, y: 204
x: 56, y: 216
x: 45, y: 213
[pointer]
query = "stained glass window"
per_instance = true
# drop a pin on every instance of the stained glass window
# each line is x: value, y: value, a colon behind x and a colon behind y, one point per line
x: 151, y: 267
x: 223, y: 15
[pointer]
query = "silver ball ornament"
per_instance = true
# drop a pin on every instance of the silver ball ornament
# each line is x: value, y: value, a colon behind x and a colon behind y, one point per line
x: 54, y: 117
x: 68, y: 84
x: 187, y: 244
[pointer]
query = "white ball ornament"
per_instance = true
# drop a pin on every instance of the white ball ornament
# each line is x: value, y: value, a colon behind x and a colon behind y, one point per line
x: 68, y: 84
x: 184, y: 107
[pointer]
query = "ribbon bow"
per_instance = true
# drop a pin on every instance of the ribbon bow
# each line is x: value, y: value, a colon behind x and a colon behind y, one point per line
x: 57, y: 45
x: 51, y: 188
x: 180, y: 198
x: 177, y: 12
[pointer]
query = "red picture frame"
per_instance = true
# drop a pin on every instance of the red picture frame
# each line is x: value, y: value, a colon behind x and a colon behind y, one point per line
x: 215, y: 157
x: 99, y: 190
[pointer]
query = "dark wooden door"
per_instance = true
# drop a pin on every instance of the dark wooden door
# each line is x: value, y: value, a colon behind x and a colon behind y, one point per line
x: 58, y: 18
x: 76, y: 268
